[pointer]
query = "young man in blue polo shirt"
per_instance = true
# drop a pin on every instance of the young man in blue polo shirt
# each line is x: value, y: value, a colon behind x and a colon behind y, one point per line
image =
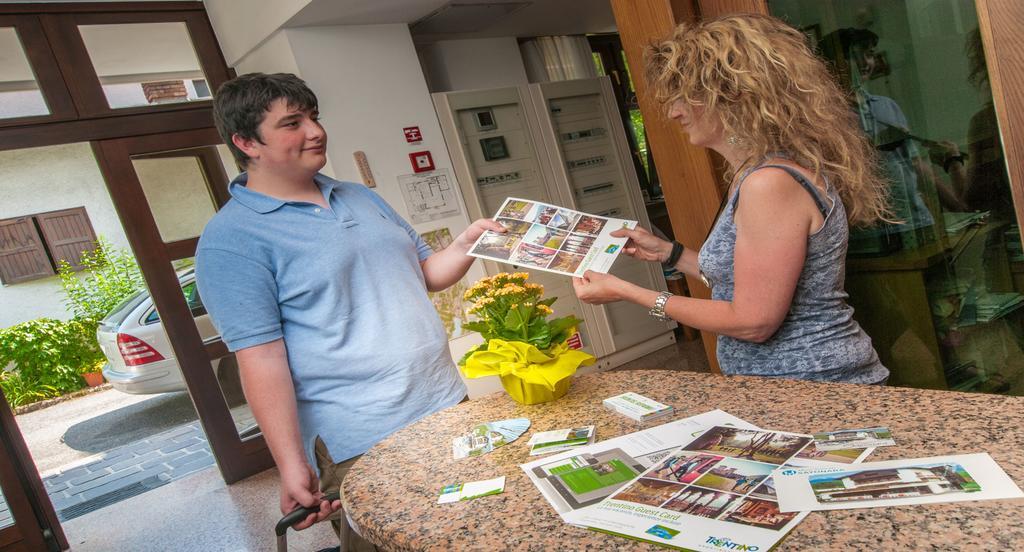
x: 320, y: 289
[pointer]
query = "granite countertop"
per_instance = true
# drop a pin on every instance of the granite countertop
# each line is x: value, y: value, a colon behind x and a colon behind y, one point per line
x: 391, y: 492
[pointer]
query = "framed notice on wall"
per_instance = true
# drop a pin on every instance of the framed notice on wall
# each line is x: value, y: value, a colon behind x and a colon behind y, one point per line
x: 429, y: 196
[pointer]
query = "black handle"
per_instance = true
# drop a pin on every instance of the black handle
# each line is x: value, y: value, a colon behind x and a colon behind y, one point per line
x: 300, y: 513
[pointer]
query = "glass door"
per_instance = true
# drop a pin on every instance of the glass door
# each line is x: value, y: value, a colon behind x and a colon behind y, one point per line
x: 165, y: 188
x: 941, y: 292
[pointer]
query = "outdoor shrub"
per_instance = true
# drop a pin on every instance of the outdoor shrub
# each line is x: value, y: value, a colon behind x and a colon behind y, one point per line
x: 19, y: 392
x: 49, y: 355
x: 110, y: 275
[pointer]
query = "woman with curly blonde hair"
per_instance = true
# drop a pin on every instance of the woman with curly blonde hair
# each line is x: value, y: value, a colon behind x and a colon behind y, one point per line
x: 749, y: 88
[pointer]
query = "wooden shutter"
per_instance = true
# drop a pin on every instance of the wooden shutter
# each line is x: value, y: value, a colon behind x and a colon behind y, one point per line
x: 22, y: 253
x: 68, y: 234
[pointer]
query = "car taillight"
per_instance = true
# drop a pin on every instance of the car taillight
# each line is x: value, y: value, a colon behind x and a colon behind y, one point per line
x: 135, y: 351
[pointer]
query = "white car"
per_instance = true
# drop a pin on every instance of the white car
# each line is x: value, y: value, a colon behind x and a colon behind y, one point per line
x: 140, y: 359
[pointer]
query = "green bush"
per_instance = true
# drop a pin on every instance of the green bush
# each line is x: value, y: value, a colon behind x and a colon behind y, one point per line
x: 49, y: 357
x: 19, y: 392
x: 110, y: 275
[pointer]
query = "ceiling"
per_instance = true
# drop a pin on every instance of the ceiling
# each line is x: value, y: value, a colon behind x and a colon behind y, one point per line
x: 537, y: 18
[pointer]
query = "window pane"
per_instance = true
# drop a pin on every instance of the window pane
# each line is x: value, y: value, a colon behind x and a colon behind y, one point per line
x: 19, y: 93
x: 160, y: 66
x: 225, y: 368
x: 178, y: 188
x: 941, y: 293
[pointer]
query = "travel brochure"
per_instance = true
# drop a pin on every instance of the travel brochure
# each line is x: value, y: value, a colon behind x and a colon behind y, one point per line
x: 894, y: 483
x: 484, y: 438
x: 710, y: 485
x: 471, y: 490
x: 849, y: 438
x: 550, y: 442
x: 582, y: 478
x: 552, y: 238
x: 715, y: 481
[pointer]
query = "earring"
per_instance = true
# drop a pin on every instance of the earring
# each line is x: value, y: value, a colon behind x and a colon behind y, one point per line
x: 732, y: 140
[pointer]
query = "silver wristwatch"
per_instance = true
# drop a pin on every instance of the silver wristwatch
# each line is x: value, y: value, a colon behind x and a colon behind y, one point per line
x: 658, y: 310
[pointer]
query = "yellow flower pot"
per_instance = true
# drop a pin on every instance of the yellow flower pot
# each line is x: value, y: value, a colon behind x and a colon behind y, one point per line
x: 524, y: 392
x: 529, y: 375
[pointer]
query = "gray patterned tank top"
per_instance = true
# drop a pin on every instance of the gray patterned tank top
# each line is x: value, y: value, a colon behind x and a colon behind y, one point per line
x: 819, y: 339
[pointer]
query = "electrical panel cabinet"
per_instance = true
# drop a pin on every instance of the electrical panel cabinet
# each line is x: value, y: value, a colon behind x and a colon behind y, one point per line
x: 589, y: 157
x: 559, y: 143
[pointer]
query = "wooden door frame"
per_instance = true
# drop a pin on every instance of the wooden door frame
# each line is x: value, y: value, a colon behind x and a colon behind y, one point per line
x: 236, y: 458
x: 36, y: 526
x: 1000, y: 22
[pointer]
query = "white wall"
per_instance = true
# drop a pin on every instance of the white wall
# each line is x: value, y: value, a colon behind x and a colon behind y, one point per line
x: 273, y: 56
x: 44, y: 179
x: 471, y: 64
x: 242, y: 25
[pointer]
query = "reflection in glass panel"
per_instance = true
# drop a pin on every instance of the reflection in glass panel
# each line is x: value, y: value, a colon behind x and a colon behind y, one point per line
x: 178, y: 187
x: 19, y: 93
x: 145, y: 63
x: 225, y: 368
x: 940, y: 292
x: 6, y: 519
x: 231, y: 387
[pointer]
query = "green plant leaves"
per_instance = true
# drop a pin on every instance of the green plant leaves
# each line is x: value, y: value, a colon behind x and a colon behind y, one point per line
x: 110, y: 275
x: 477, y: 326
x: 49, y: 356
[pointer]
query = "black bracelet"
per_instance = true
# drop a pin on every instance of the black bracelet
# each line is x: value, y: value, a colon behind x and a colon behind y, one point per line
x: 673, y: 257
x: 949, y: 161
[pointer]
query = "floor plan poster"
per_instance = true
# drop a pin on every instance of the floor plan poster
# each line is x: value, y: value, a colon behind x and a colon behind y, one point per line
x: 551, y: 238
x: 715, y: 492
x: 449, y: 303
x: 429, y: 196
x: 895, y: 483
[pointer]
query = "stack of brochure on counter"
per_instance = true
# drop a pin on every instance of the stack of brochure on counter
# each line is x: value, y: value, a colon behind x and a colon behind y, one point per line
x: 638, y: 407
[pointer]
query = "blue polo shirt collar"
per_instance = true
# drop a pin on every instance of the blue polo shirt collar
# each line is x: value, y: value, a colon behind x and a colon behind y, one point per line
x: 262, y: 203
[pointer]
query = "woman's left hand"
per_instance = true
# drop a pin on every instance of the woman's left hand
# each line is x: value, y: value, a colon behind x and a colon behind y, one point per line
x: 596, y: 288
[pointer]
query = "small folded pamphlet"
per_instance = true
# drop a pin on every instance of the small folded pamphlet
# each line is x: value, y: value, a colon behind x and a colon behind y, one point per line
x: 638, y: 407
x: 853, y: 438
x: 486, y: 437
x: 471, y: 490
x: 547, y: 442
x: 552, y: 238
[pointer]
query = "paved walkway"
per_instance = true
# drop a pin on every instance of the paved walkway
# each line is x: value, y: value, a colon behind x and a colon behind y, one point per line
x: 125, y: 471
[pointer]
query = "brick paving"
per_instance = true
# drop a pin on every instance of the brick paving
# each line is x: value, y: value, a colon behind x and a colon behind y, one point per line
x: 151, y: 462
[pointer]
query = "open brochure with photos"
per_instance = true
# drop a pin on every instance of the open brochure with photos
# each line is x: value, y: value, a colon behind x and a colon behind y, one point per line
x: 692, y: 483
x: 552, y: 238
